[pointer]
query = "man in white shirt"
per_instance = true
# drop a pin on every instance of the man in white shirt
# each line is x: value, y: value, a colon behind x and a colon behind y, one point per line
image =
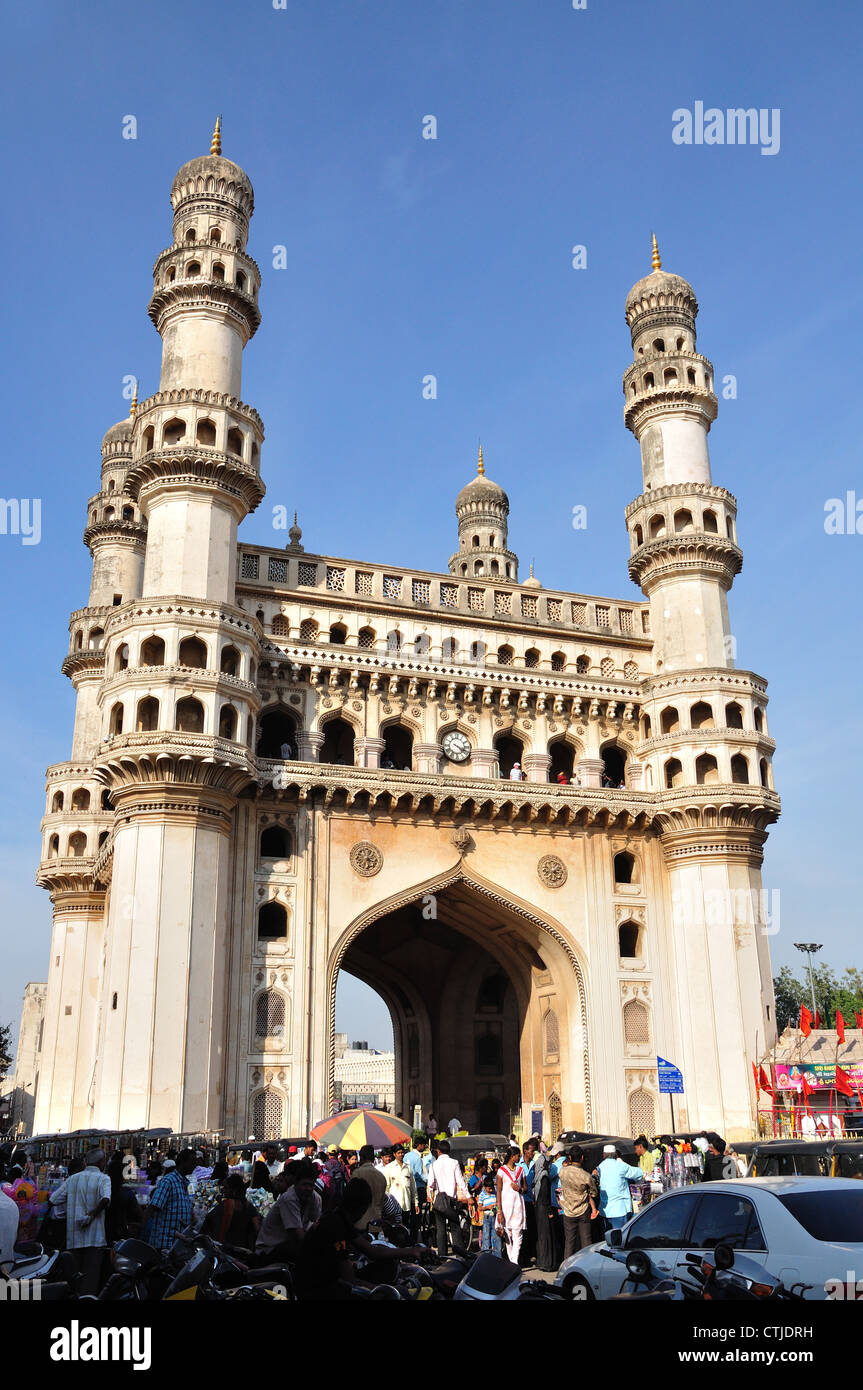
x: 454, y: 1126
x: 86, y: 1196
x: 446, y: 1193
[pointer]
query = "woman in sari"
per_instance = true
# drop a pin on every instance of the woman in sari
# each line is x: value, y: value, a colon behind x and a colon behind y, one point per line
x: 510, y: 1205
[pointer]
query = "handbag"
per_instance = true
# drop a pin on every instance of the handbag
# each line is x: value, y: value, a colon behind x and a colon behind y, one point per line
x: 444, y: 1204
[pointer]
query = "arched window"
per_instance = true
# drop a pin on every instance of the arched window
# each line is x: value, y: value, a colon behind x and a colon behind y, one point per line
x: 270, y: 1014
x: 338, y: 746
x: 272, y: 921
x: 267, y: 1115
x: 624, y: 867
x: 153, y: 652
x: 308, y: 630
x: 733, y: 716
x: 147, y: 716
x: 478, y: 651
x: 491, y: 993
x: 649, y: 382
x: 57, y: 802
x: 449, y: 649
x: 190, y: 716
x: 205, y: 433
x: 606, y: 666
x: 669, y: 376
x: 218, y: 270
x: 562, y: 760
x: 235, y: 442
x: 505, y: 655
x: 729, y: 528
x: 636, y: 1023
x: 659, y: 344
x: 638, y: 536
x: 706, y: 770
x: 366, y: 637
x: 80, y: 799
x: 398, y: 751
x: 641, y: 1112
x: 94, y: 640
x: 551, y: 1032
x: 240, y: 280
x: 115, y: 722
x: 646, y: 726
x: 149, y: 438
x: 558, y: 661
x: 215, y: 235
x: 582, y: 665
x: 708, y: 523
x: 488, y: 1051
x: 683, y: 521
x: 228, y: 722
x: 613, y: 765
x: 54, y: 846
x: 673, y: 773
x: 229, y: 663
x: 78, y: 844
x: 277, y: 737
x: 394, y: 642
x: 102, y: 838
x: 669, y: 720
x: 656, y: 527
x: 173, y: 432
x: 106, y: 803
x: 690, y: 376
x: 701, y: 715
x: 475, y: 542
x: 275, y: 843
x: 192, y: 269
x: 630, y: 671
x: 193, y: 652
x: 509, y: 752
x: 191, y: 234
x: 765, y: 776
x: 422, y: 644
x: 758, y: 717
x: 739, y: 768
x: 338, y: 635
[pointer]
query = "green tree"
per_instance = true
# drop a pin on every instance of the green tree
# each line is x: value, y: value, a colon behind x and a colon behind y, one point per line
x: 5, y: 1048
x: 831, y: 993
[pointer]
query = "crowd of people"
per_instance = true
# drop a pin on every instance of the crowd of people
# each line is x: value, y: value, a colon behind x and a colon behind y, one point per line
x: 534, y: 1204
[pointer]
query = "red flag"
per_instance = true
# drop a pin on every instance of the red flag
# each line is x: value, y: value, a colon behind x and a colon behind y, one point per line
x: 806, y: 1089
x: 765, y: 1083
x: 757, y: 1083
x: 858, y: 1018
x: 805, y: 1021
x: 817, y: 1021
x: 840, y: 1027
x: 843, y: 1082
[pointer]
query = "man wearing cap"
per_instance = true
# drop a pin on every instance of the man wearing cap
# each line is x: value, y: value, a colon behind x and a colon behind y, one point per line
x: 614, y: 1177
x: 86, y: 1197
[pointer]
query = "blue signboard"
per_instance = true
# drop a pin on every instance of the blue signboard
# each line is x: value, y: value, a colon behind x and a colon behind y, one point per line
x: 670, y: 1077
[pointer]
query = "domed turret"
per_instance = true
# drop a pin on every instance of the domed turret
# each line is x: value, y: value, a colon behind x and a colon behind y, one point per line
x: 482, y: 509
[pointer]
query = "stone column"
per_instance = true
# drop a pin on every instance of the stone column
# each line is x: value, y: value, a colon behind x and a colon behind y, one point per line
x: 633, y: 773
x: 309, y: 746
x: 590, y: 771
x: 536, y: 766
x: 368, y: 751
x: 71, y: 1006
x: 427, y: 757
x: 484, y: 762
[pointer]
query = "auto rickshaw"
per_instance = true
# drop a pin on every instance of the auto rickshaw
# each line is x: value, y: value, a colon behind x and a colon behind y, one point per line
x: 790, y: 1158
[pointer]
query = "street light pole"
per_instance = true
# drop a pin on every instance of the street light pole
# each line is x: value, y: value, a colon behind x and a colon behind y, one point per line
x: 810, y: 949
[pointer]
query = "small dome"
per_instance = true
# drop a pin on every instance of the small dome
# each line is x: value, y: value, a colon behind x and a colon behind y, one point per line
x: 657, y: 291
x: 122, y: 430
x: 482, y: 489
x: 206, y: 166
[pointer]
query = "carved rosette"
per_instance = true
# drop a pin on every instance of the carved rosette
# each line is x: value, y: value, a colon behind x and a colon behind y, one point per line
x: 551, y: 871
x: 461, y: 838
x: 366, y: 859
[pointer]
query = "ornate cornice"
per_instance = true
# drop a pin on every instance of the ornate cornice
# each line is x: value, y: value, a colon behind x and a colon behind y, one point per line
x: 739, y: 682
x: 662, y: 401
x: 195, y: 466
x: 702, y: 552
x: 198, y: 396
x: 673, y: 491
x: 174, y: 607
x: 201, y: 292
x: 167, y: 758
x: 84, y: 662
x: 744, y: 736
x: 132, y: 533
x: 187, y: 676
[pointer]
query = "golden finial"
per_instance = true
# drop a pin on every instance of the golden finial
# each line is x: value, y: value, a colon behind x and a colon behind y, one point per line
x: 655, y: 262
x: 480, y: 466
x: 531, y: 570
x: 216, y: 142
x: 134, y: 405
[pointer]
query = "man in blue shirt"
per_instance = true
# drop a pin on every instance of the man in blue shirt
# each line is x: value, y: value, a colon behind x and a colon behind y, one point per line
x: 614, y: 1177
x: 170, y: 1207
x: 415, y: 1160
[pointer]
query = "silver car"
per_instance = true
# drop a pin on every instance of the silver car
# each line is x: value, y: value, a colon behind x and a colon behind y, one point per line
x: 802, y: 1230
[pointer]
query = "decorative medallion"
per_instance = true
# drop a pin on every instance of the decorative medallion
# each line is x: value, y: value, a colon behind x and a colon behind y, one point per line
x: 580, y: 729
x: 471, y: 719
x: 416, y: 712
x: 551, y: 871
x: 326, y: 702
x: 357, y: 704
x: 552, y: 726
x: 366, y: 859
x: 386, y: 707
x: 296, y: 699
x: 526, y: 724
x: 499, y: 722
x: 461, y: 838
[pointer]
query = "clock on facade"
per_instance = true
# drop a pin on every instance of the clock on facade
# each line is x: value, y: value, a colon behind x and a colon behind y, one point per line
x: 456, y: 746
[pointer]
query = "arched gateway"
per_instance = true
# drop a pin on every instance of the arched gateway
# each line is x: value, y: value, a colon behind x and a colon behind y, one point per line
x: 471, y: 977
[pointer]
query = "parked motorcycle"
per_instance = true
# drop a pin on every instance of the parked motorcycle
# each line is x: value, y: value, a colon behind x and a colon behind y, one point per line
x: 732, y: 1277
x: 648, y: 1284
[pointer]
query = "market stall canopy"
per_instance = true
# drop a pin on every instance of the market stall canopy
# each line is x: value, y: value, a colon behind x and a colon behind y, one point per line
x: 353, y: 1128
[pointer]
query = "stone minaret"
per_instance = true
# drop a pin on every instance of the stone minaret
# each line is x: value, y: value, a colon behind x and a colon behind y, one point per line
x: 704, y: 742
x: 482, y: 509
x: 172, y: 731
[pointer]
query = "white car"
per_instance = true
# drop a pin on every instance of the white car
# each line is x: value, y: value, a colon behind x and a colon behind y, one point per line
x: 802, y: 1230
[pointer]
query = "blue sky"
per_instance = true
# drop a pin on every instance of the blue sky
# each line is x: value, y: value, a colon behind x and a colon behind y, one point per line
x: 452, y: 257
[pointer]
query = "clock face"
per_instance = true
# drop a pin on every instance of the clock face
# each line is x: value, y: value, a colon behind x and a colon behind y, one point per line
x: 456, y: 746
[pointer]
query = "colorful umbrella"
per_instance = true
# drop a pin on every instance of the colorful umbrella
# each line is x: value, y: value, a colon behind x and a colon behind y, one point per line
x: 353, y: 1128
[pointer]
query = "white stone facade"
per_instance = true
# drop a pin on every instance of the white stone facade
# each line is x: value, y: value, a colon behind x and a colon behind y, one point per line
x: 265, y: 786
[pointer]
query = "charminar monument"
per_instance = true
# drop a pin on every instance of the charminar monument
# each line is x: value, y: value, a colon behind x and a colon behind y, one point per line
x: 532, y: 820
